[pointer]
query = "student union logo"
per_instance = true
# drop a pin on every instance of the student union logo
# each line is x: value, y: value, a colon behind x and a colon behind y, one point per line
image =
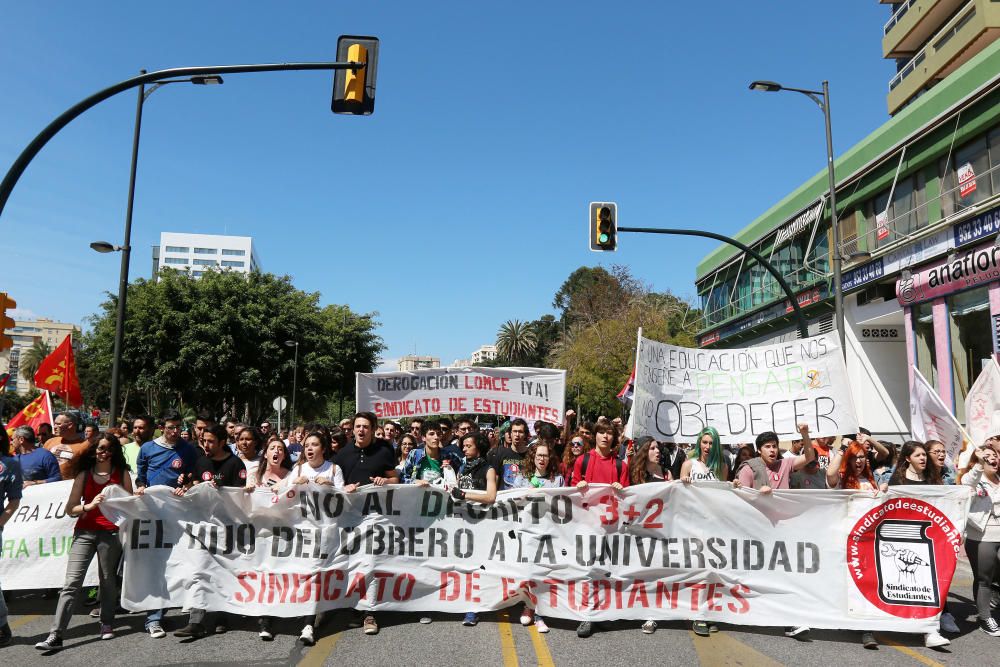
x: 902, y: 555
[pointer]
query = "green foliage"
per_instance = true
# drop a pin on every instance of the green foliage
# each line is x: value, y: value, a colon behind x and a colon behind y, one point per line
x: 219, y: 341
x: 516, y: 343
x: 14, y: 402
x: 32, y: 358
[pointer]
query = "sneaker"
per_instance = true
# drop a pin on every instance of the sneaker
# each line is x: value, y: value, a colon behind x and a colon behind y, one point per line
x: 541, y: 625
x: 700, y: 628
x: 990, y: 627
x: 369, y: 626
x: 424, y: 620
x: 266, y: 635
x: 106, y: 631
x: 712, y: 627
x: 995, y: 600
x: 306, y: 636
x: 935, y: 640
x: 6, y: 635
x: 947, y: 624
x: 93, y: 598
x: 471, y: 619
x: 584, y: 630
x: 799, y: 631
x: 52, y: 643
x: 649, y: 627
x: 868, y: 641
x: 527, y: 617
x: 195, y: 630
x: 95, y: 612
x: 155, y: 631
x: 221, y: 629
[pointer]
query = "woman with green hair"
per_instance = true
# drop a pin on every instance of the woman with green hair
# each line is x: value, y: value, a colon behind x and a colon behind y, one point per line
x: 709, y: 464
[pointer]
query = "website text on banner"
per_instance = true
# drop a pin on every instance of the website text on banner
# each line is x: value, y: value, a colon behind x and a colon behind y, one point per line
x: 742, y: 392
x: 644, y: 553
x: 529, y: 393
x: 34, y: 551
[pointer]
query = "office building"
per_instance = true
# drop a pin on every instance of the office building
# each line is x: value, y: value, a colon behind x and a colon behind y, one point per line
x: 25, y: 334
x: 198, y: 253
x: 412, y: 362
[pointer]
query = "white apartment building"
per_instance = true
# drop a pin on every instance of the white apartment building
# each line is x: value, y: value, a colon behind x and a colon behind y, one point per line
x: 412, y: 362
x: 483, y: 354
x: 198, y: 253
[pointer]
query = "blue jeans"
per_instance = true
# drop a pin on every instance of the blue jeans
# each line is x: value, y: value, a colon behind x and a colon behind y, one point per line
x: 154, y: 616
x: 3, y: 605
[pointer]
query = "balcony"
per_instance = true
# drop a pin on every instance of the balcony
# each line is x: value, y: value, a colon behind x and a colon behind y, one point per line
x: 962, y: 37
x: 913, y: 24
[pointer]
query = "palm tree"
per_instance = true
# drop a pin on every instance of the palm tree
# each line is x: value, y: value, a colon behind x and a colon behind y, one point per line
x: 516, y: 341
x: 32, y: 358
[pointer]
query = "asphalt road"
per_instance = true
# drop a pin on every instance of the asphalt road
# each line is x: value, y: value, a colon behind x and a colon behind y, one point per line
x: 497, y: 640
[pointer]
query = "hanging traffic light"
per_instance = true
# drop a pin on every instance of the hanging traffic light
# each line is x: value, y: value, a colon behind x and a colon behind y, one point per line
x: 6, y: 322
x: 354, y: 89
x: 603, y: 226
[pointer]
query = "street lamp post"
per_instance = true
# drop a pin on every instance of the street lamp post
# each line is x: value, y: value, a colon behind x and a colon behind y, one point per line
x: 126, y: 247
x: 295, y: 378
x: 822, y: 99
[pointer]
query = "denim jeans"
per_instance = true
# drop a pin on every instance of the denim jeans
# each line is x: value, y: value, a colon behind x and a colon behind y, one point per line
x: 86, y: 544
x: 3, y: 604
x: 155, y: 616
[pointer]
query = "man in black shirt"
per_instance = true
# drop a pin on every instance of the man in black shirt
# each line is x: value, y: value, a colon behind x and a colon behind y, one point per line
x: 218, y: 467
x: 509, y: 460
x: 366, y: 461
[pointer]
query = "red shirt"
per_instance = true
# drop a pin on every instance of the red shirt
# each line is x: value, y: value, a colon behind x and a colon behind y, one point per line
x: 600, y: 469
x: 95, y: 519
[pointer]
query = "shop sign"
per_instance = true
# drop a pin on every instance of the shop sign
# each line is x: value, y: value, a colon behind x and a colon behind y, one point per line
x: 708, y: 339
x: 858, y: 276
x: 966, y: 180
x: 898, y: 259
x: 882, y: 225
x: 802, y: 222
x: 983, y: 225
x: 976, y: 267
x: 807, y: 298
x: 882, y: 334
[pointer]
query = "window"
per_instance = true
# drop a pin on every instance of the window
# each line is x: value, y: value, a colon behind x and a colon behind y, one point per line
x: 978, y: 155
x: 197, y: 274
x: 176, y: 248
x: 904, y: 215
x: 205, y: 251
x: 227, y: 262
x: 923, y: 331
x: 971, y: 341
x: 175, y: 260
x: 234, y: 253
x: 205, y: 262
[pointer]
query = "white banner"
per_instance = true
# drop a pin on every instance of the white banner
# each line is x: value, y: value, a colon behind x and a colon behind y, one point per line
x: 930, y: 419
x: 742, y: 392
x: 529, y: 393
x: 982, y: 406
x: 879, y: 563
x: 35, y: 547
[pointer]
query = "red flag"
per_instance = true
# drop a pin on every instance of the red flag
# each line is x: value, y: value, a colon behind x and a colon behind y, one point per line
x: 34, y: 414
x: 3, y: 380
x: 57, y: 373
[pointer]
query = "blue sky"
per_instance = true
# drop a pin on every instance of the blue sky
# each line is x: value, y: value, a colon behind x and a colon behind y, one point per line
x: 462, y: 201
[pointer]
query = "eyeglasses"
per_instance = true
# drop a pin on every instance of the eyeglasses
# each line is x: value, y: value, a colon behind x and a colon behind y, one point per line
x: 541, y: 456
x: 103, y: 449
x: 171, y: 427
x: 576, y: 444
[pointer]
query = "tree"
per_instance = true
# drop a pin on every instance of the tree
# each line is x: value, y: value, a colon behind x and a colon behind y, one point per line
x: 218, y: 343
x: 32, y: 358
x: 516, y: 342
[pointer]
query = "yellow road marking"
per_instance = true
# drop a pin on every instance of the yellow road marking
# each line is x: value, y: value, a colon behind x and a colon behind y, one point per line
x: 318, y: 654
x: 541, y: 648
x: 24, y: 620
x: 507, y: 647
x: 722, y: 649
x: 910, y: 652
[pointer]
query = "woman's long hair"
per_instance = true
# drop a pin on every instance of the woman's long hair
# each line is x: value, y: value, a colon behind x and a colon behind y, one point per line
x: 637, y: 464
x: 932, y: 475
x: 848, y: 480
x: 716, y: 459
x: 529, y: 462
x: 89, y: 457
x: 569, y: 458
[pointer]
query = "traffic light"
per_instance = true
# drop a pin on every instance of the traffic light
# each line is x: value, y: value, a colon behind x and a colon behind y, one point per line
x: 6, y: 322
x: 603, y: 226
x: 354, y: 90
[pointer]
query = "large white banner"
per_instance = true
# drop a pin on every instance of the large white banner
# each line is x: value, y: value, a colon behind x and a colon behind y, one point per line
x: 529, y: 393
x: 660, y: 551
x: 982, y: 406
x: 931, y: 419
x: 742, y: 392
x: 35, y: 547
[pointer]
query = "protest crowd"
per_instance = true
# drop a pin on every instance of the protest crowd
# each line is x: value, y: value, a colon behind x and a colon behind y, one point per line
x: 470, y: 462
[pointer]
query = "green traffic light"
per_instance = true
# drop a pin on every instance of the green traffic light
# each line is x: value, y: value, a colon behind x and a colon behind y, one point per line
x: 603, y: 238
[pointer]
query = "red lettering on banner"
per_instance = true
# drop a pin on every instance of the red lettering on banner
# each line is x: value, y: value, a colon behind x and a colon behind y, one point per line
x: 450, y: 579
x: 338, y: 576
x: 668, y: 594
x: 357, y: 586
x: 242, y: 579
x: 553, y: 591
x: 277, y: 583
x: 505, y: 592
x: 380, y: 578
x: 571, y: 599
x: 637, y: 594
x: 737, y: 592
x: 483, y: 383
x: 528, y: 588
x: 403, y: 588
x: 472, y: 586
x: 713, y: 595
x: 601, y: 599
x: 696, y: 589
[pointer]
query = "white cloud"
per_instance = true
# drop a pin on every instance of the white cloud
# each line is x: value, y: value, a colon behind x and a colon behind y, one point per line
x: 388, y: 365
x: 22, y: 314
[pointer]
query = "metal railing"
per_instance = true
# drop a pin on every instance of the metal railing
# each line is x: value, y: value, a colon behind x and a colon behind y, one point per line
x: 898, y: 14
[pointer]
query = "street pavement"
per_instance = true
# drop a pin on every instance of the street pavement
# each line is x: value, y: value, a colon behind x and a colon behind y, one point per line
x: 498, y: 640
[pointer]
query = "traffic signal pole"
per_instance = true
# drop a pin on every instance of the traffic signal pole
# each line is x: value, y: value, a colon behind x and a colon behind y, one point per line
x: 803, y: 323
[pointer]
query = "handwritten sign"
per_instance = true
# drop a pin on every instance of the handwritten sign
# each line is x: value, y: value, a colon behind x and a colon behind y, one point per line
x: 530, y: 393
x: 742, y: 392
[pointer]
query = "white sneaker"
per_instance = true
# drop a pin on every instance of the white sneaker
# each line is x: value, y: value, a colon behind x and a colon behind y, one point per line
x: 527, y: 617
x: 540, y: 625
x: 948, y: 624
x: 306, y: 636
x: 797, y: 631
x: 155, y: 631
x: 649, y: 627
x: 265, y: 635
x: 935, y: 640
